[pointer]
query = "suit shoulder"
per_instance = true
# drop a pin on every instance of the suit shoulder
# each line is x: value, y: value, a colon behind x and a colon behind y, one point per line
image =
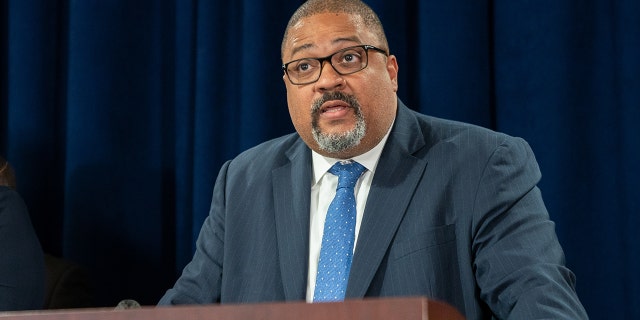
x: 272, y: 152
x: 10, y: 201
x: 464, y: 140
x: 445, y: 128
x: 438, y: 130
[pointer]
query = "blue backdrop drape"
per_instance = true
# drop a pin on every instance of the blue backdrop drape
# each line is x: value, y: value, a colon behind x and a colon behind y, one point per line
x: 117, y: 115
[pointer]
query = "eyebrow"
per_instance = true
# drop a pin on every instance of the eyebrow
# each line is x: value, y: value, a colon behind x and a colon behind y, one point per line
x: 307, y: 46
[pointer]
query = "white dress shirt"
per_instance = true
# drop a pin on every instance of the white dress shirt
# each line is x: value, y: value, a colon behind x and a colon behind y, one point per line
x: 323, y: 190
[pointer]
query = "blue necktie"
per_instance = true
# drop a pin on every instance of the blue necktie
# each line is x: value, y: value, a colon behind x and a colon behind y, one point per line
x: 338, y: 236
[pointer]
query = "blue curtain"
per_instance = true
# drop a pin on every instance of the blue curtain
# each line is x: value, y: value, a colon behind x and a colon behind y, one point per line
x: 117, y: 115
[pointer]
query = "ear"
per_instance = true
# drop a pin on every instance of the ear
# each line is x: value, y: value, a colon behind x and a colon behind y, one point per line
x: 392, y: 69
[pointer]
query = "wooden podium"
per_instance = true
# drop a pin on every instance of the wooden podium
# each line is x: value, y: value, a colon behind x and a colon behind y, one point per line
x: 367, y: 309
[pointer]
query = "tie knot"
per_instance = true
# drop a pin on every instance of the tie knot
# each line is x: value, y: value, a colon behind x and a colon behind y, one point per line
x: 348, y: 173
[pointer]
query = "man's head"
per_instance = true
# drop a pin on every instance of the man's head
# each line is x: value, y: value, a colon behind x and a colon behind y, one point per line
x: 341, y: 106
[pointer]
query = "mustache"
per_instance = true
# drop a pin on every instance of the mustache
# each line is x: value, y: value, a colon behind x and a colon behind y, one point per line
x: 334, y: 95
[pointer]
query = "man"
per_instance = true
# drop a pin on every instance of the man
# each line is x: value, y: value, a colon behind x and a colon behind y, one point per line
x: 22, y: 269
x: 444, y: 210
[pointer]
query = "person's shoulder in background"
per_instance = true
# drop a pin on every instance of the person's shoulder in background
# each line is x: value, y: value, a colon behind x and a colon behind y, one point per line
x: 22, y: 269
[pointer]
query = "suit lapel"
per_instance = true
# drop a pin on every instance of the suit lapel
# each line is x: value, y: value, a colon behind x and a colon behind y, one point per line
x: 396, y: 177
x: 291, y: 184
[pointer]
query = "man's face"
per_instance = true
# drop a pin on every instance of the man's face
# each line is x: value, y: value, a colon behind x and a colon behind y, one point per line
x: 340, y: 116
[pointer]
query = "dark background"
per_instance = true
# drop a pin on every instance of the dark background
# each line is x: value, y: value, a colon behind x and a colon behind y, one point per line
x: 117, y: 115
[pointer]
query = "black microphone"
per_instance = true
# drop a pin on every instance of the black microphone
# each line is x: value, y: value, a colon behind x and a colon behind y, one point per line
x: 127, y: 304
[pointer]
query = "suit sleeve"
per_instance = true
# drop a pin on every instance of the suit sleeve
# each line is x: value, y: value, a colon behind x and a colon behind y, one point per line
x: 518, y: 261
x: 200, y: 282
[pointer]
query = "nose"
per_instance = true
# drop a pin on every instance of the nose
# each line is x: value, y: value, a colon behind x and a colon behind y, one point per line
x: 329, y: 79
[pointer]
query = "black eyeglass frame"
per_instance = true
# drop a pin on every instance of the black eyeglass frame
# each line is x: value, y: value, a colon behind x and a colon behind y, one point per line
x: 366, y: 48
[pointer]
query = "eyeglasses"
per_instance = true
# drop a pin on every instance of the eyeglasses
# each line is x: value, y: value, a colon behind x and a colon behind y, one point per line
x: 346, y: 61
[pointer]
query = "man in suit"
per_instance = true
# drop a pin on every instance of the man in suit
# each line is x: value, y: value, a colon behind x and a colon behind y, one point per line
x: 22, y: 269
x: 443, y: 209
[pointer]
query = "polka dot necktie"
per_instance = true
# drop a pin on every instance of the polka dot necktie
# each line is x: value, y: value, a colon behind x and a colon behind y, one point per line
x: 338, y: 237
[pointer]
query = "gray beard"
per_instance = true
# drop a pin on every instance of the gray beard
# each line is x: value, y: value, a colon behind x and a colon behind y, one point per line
x: 336, y: 143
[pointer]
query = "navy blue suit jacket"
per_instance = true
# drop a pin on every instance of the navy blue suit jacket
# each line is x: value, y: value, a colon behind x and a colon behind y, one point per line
x: 453, y: 214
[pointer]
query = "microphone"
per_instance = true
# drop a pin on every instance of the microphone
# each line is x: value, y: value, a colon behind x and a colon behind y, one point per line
x: 127, y: 304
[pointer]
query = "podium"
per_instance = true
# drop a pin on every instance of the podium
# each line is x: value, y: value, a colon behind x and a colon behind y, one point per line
x: 366, y: 309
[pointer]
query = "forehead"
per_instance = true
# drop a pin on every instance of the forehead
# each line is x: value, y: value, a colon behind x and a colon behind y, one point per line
x: 325, y: 32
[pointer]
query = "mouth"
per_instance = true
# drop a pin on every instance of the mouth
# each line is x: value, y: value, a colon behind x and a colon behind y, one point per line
x: 334, y: 107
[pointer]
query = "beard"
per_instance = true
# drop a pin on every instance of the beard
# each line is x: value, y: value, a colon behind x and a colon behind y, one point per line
x: 337, y: 142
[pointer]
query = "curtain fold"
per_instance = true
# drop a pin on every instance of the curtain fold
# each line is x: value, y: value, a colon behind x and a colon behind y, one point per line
x: 118, y: 114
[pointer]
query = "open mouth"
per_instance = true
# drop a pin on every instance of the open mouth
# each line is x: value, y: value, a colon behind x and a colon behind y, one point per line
x: 334, y: 106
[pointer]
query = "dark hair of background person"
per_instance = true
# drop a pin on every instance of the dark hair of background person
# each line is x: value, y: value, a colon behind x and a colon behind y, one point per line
x: 7, y: 176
